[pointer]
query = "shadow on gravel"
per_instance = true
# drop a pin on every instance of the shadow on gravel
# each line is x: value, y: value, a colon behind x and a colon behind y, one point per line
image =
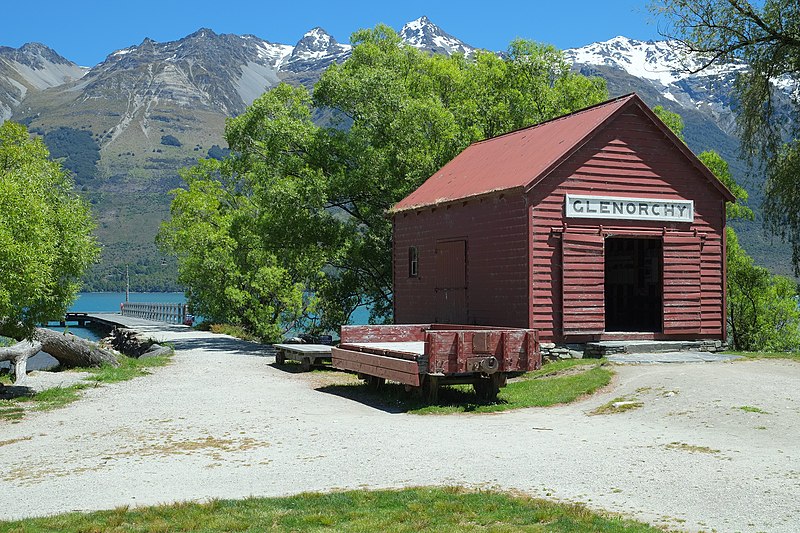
x: 223, y: 344
x: 377, y: 399
x: 393, y: 398
x: 293, y: 367
x: 9, y: 392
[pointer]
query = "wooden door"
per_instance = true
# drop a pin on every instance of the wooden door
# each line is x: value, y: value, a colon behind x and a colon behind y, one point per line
x: 583, y: 284
x: 451, y: 282
x: 682, y: 289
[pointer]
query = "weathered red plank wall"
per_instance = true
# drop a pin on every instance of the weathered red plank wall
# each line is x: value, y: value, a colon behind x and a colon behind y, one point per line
x: 496, y: 233
x: 631, y: 157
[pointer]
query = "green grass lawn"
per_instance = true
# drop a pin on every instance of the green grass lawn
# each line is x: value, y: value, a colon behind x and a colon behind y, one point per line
x: 410, y: 510
x: 558, y: 382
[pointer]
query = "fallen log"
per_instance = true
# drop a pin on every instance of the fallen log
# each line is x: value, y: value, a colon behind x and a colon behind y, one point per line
x: 71, y: 350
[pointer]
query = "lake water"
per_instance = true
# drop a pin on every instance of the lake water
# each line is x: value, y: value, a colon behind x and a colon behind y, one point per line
x: 109, y: 302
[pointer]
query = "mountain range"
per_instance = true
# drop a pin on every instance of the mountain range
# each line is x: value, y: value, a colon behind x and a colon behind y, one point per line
x: 125, y: 126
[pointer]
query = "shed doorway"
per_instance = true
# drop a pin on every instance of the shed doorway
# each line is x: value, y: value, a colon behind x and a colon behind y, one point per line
x: 633, y: 284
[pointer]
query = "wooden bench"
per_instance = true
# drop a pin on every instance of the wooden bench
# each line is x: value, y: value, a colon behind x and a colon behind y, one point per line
x: 307, y: 355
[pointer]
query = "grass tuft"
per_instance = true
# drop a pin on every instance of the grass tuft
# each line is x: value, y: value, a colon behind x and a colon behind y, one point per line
x: 618, y: 405
x: 751, y: 409
x: 410, y: 510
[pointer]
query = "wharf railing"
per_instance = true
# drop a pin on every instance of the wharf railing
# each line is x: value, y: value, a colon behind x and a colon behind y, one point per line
x: 170, y: 313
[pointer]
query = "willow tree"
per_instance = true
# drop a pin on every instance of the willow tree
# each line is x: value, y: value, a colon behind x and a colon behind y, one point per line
x: 312, y: 200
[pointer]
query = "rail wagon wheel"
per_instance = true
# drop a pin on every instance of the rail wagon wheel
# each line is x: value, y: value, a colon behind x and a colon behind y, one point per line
x: 374, y: 382
x: 488, y: 388
x: 305, y: 364
x: 280, y: 357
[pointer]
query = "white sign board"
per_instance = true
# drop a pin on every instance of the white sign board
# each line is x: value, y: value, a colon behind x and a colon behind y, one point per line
x: 581, y: 206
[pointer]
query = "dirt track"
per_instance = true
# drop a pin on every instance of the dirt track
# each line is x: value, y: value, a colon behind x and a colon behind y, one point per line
x: 221, y: 422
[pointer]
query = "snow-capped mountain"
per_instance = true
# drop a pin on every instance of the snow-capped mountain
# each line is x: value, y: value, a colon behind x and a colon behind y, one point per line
x: 425, y: 35
x: 316, y: 50
x: 660, y: 61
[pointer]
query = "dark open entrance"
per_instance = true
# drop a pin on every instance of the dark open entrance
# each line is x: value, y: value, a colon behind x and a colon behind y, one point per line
x: 633, y: 284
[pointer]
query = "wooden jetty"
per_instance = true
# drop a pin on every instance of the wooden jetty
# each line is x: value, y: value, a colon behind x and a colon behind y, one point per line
x: 131, y: 315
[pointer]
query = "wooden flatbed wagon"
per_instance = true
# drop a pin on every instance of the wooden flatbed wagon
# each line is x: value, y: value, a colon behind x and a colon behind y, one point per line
x: 424, y: 356
x: 307, y: 355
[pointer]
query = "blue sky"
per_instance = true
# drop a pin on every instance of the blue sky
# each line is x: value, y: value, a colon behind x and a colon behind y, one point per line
x: 87, y: 31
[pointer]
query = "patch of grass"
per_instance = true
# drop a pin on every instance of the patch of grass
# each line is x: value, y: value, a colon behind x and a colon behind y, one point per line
x: 10, y: 411
x: 767, y: 355
x: 129, y: 368
x: 751, y: 409
x: 555, y: 383
x: 618, y: 405
x: 690, y: 448
x: 56, y: 397
x: 409, y: 510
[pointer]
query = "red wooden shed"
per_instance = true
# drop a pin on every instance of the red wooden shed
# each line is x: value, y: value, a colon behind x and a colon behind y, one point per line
x: 598, y: 225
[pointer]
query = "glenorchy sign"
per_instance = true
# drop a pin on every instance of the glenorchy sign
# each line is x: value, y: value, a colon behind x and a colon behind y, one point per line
x: 580, y: 206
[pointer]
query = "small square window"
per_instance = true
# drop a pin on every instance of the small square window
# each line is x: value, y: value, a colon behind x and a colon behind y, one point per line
x: 413, y: 262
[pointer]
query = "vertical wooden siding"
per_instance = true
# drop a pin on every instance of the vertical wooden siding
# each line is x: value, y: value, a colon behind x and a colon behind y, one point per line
x: 682, y: 290
x: 495, y: 229
x: 629, y: 157
x: 583, y: 298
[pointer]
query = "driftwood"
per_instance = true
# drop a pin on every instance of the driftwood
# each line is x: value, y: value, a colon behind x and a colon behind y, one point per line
x: 68, y: 349
x: 71, y: 350
x: 18, y: 355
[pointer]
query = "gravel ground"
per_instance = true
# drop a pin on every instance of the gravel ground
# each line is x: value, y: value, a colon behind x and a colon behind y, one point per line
x: 222, y: 422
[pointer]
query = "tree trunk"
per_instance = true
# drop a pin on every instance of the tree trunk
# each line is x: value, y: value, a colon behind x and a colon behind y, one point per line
x: 74, y: 351
x: 18, y: 355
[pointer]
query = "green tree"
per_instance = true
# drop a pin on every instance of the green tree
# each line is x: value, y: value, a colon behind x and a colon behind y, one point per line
x: 46, y: 238
x: 765, y: 35
x: 315, y: 199
x: 762, y: 308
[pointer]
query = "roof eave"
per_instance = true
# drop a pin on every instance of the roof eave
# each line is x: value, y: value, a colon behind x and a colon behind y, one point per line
x: 451, y: 201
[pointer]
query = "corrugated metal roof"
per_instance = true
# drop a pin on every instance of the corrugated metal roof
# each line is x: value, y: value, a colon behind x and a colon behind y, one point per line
x: 517, y: 159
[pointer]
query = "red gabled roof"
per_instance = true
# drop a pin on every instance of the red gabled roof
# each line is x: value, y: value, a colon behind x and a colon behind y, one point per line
x: 518, y: 159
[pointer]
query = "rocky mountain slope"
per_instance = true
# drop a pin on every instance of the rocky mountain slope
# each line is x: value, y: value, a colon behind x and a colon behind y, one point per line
x: 32, y: 67
x: 126, y: 125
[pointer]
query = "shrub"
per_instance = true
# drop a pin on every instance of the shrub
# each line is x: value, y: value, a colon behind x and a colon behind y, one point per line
x: 170, y: 140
